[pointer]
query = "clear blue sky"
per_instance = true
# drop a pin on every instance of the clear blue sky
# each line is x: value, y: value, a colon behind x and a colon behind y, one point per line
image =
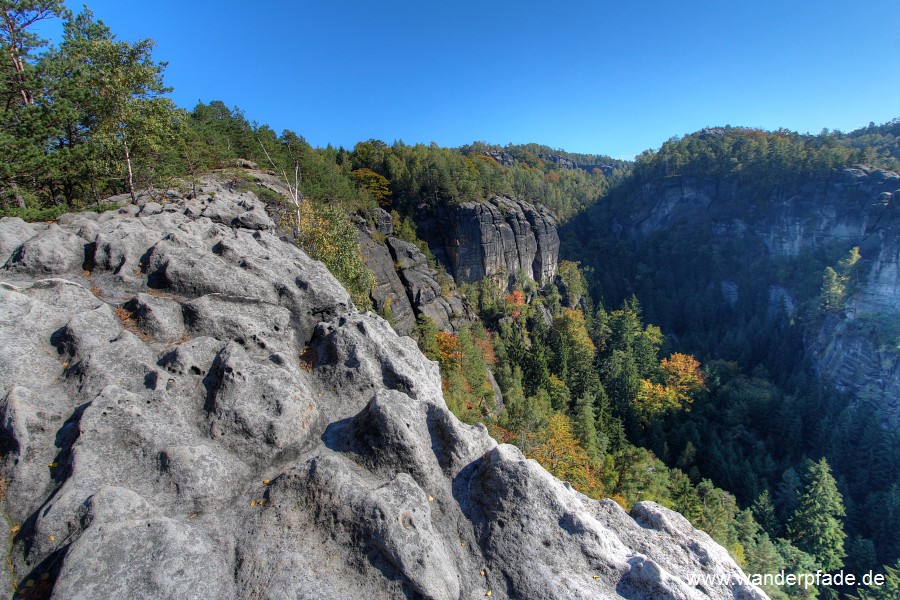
x: 598, y: 77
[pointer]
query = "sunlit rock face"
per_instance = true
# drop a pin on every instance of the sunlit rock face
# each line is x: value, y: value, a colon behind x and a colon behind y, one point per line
x: 499, y: 238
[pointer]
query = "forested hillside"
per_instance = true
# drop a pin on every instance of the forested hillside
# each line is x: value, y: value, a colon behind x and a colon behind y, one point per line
x: 764, y: 254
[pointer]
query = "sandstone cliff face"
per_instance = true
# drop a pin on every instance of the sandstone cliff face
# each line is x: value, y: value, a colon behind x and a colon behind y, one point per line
x: 405, y: 284
x: 854, y: 207
x: 190, y: 407
x: 497, y: 238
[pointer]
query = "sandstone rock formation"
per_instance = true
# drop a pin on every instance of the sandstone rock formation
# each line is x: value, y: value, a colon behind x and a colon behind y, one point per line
x: 190, y: 407
x: 498, y: 238
x: 405, y: 283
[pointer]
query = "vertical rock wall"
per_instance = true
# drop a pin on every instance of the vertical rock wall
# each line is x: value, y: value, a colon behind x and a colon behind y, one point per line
x: 497, y: 238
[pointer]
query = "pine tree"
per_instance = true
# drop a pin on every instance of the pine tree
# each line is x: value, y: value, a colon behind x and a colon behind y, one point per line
x: 764, y: 511
x: 815, y: 526
x: 585, y: 425
x: 684, y: 496
x: 129, y: 120
x: 786, y: 494
x: 18, y: 42
x: 889, y: 590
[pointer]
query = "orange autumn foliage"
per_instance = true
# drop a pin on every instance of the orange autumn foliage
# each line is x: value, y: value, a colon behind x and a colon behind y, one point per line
x: 683, y: 373
x: 450, y: 352
x: 557, y: 449
x: 514, y: 302
x: 487, y: 352
x: 683, y: 378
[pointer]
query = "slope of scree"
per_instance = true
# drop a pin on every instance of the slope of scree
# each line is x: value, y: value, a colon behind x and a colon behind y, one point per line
x: 190, y: 407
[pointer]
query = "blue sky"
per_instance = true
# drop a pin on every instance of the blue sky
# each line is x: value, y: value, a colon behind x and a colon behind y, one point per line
x: 597, y: 77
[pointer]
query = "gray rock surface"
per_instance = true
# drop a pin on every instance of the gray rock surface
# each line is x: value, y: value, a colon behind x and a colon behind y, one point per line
x: 406, y: 285
x: 498, y: 238
x: 389, y: 294
x: 191, y: 408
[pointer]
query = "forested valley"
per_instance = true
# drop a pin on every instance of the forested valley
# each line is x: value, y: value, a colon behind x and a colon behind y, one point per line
x: 627, y: 375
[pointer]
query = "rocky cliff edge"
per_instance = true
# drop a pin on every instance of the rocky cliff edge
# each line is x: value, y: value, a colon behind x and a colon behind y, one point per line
x: 191, y: 408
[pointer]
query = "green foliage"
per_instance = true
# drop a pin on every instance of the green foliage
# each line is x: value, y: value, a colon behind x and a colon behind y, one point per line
x: 835, y: 283
x: 879, y: 145
x: 769, y: 159
x: 49, y: 214
x: 833, y: 291
x: 426, y: 336
x: 889, y: 590
x: 93, y: 121
x: 574, y: 285
x: 375, y: 184
x: 326, y: 233
x: 816, y: 525
x: 431, y: 175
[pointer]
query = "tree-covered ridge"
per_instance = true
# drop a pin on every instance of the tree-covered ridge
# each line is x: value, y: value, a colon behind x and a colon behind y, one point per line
x: 539, y: 155
x: 879, y: 144
x: 431, y: 174
x: 767, y: 159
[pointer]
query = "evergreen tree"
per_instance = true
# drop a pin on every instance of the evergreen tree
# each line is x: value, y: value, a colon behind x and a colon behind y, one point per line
x: 426, y: 336
x: 764, y: 511
x: 815, y: 526
x: 889, y: 590
x: 130, y: 120
x: 787, y: 493
x: 684, y: 496
x: 585, y: 426
x: 19, y: 42
x: 833, y: 289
